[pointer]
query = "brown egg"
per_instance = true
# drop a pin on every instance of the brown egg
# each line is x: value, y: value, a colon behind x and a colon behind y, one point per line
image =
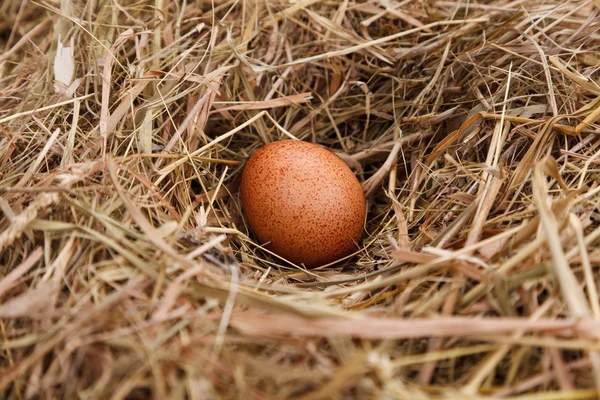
x: 303, y: 202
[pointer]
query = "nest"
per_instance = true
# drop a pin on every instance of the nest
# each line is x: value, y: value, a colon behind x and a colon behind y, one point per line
x: 126, y: 268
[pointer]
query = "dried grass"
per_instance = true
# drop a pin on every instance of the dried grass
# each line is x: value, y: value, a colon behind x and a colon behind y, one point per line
x: 126, y: 269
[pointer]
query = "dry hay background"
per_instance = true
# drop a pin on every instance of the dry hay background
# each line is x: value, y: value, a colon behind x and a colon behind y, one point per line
x: 126, y: 270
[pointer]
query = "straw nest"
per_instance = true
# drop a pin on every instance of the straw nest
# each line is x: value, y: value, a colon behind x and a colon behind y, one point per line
x: 126, y: 268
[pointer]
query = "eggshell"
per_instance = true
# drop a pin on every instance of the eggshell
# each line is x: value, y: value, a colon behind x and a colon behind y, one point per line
x: 303, y: 202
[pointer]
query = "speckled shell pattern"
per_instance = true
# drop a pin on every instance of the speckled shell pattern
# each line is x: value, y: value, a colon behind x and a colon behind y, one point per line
x: 303, y: 202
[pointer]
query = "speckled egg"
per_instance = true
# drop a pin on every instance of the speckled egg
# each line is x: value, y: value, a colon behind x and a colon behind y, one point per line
x: 303, y: 202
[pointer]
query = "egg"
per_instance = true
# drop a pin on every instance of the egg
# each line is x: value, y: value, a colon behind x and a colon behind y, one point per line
x: 303, y: 202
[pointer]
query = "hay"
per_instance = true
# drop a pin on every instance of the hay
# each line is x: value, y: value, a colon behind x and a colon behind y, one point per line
x: 126, y: 269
